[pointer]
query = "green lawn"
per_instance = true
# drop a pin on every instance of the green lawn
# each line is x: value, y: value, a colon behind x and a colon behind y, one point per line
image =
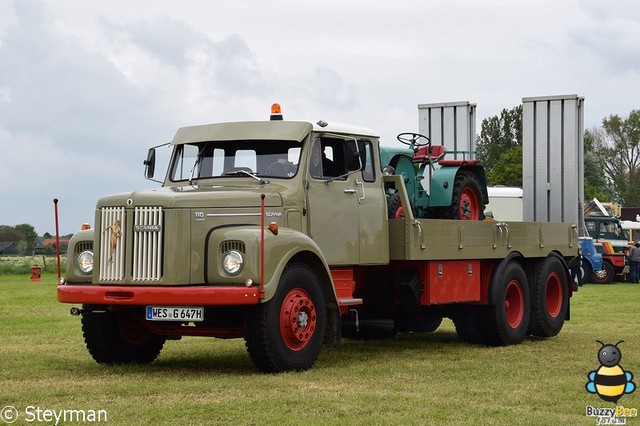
x: 412, y: 379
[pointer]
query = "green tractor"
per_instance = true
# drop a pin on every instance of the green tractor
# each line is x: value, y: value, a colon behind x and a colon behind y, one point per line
x: 457, y: 189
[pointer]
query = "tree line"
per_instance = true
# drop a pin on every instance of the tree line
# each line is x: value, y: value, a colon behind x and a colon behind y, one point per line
x: 611, y: 155
x: 26, y: 238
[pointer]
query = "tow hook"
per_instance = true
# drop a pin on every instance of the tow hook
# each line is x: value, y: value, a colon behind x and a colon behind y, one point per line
x: 76, y: 312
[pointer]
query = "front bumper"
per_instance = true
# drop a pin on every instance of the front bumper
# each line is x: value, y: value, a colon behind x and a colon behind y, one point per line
x: 183, y: 296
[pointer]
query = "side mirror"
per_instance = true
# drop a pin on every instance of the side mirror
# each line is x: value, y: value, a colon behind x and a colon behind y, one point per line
x: 356, y: 163
x: 150, y: 164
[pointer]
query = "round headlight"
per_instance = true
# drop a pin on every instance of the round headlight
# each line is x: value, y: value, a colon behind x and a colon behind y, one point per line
x: 232, y: 262
x: 85, y: 262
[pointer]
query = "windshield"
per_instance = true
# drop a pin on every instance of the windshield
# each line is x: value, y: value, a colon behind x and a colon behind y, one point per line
x: 607, y: 229
x: 266, y: 158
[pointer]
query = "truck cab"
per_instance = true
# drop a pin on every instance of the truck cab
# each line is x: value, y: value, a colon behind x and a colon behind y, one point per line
x: 610, y: 241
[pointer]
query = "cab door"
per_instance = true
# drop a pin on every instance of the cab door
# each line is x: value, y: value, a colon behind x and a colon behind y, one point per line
x: 347, y: 208
x: 333, y: 203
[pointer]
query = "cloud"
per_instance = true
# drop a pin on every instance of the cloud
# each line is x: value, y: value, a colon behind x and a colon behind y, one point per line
x: 69, y: 120
x: 611, y: 36
x: 330, y: 90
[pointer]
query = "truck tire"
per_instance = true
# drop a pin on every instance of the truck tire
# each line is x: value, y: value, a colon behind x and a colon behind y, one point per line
x: 286, y: 333
x: 119, y: 337
x: 466, y: 200
x: 468, y: 322
x: 549, y: 297
x: 604, y: 276
x: 507, y: 315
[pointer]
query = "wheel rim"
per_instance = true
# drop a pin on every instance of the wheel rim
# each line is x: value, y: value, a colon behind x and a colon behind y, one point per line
x: 554, y: 295
x: 514, y: 304
x: 297, y: 319
x: 132, y: 329
x: 469, y: 205
x: 600, y: 275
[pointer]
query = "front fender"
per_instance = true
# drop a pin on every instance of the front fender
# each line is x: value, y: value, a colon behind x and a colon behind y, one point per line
x: 443, y: 181
x: 278, y: 251
x: 81, y: 241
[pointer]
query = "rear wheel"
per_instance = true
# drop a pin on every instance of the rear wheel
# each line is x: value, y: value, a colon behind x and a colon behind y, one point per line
x: 286, y: 332
x: 468, y: 321
x: 117, y: 337
x: 549, y: 297
x: 466, y: 200
x: 605, y: 275
x: 507, y: 315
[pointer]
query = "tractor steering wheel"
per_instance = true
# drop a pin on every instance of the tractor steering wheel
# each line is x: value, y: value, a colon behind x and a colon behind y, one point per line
x: 413, y: 140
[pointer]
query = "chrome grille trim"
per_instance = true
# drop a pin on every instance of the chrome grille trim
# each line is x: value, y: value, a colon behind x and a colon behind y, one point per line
x: 112, y: 228
x: 228, y: 245
x: 84, y: 246
x: 147, y: 243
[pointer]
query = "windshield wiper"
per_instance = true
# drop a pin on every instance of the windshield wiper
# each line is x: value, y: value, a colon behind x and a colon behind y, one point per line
x: 195, y: 165
x: 246, y: 173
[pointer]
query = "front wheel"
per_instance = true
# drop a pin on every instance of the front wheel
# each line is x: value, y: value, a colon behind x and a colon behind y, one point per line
x: 119, y: 337
x: 605, y: 275
x: 286, y: 333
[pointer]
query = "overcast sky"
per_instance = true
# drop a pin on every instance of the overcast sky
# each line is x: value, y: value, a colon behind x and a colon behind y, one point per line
x: 86, y: 87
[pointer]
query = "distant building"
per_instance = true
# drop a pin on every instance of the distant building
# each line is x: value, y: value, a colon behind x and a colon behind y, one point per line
x: 630, y: 213
x: 8, y: 247
x: 42, y: 246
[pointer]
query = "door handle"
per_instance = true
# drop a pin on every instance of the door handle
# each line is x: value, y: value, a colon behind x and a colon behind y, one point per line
x: 364, y: 195
x: 350, y: 191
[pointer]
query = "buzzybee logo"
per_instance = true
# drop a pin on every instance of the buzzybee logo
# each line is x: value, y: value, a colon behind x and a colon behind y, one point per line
x: 610, y: 381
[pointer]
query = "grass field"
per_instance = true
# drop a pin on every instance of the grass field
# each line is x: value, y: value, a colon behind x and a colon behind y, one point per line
x: 412, y: 379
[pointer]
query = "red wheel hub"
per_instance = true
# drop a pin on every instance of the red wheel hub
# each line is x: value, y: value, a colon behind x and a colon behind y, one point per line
x: 297, y: 319
x: 132, y: 329
x: 554, y: 295
x: 514, y: 304
x: 469, y: 205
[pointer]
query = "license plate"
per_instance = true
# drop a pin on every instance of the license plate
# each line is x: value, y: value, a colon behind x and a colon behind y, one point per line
x: 175, y: 313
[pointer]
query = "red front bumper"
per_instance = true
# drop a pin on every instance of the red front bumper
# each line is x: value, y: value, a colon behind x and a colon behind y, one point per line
x: 183, y: 296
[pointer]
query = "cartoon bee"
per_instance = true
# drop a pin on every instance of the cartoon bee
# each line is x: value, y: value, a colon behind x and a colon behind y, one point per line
x: 610, y: 381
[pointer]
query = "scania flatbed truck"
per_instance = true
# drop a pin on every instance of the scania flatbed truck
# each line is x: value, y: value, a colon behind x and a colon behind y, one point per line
x: 294, y: 234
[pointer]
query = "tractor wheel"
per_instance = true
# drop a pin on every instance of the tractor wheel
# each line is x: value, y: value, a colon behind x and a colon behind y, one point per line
x: 286, y: 333
x: 395, y: 209
x: 119, y: 337
x: 549, y: 297
x: 466, y: 200
x: 604, y: 276
x: 507, y: 315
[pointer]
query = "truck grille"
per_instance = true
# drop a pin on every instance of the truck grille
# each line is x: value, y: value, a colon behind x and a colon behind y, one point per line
x: 112, y: 228
x: 147, y: 244
x: 146, y: 256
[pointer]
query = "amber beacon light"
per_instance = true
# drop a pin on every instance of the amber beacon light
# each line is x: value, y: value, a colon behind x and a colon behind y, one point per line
x: 276, y: 112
